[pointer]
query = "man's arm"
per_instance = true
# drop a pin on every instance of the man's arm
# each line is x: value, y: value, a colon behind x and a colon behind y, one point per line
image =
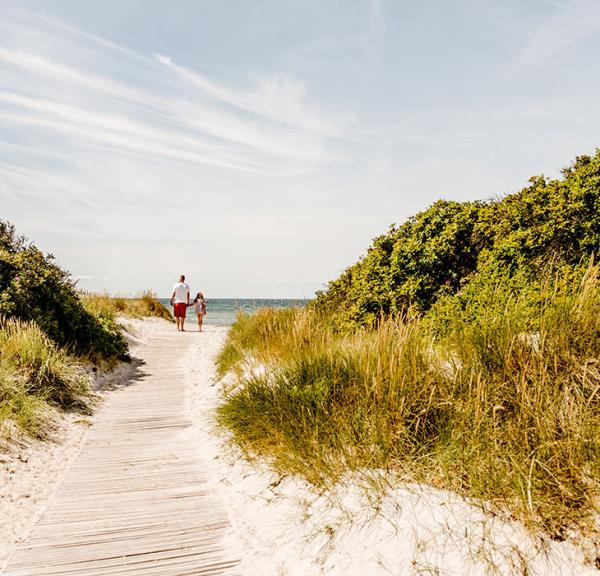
x: 188, y: 297
x: 173, y: 297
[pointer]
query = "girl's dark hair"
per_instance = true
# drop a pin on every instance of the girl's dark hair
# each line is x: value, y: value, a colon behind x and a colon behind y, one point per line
x: 198, y: 297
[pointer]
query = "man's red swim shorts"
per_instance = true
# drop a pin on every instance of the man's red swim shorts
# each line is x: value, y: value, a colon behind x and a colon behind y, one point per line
x: 180, y: 309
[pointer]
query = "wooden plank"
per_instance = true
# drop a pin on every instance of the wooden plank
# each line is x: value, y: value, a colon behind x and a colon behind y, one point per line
x: 136, y: 500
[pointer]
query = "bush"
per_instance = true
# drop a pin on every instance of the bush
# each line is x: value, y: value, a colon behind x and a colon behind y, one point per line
x: 33, y: 287
x: 440, y: 251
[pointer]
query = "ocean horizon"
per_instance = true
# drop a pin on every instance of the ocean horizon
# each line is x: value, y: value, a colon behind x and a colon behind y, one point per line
x: 223, y: 311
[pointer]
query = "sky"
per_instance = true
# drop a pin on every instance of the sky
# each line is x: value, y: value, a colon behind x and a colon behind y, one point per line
x: 258, y: 147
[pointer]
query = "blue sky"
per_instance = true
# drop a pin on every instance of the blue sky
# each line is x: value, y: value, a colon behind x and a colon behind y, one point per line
x: 260, y: 146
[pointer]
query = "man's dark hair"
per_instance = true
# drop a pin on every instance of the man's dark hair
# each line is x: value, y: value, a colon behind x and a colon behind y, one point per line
x: 182, y: 276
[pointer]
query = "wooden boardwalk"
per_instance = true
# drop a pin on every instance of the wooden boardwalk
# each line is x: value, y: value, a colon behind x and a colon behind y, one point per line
x: 135, y: 501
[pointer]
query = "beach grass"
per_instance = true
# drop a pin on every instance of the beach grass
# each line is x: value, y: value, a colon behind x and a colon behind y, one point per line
x: 39, y: 377
x: 500, y: 403
x: 35, y: 377
x: 143, y: 305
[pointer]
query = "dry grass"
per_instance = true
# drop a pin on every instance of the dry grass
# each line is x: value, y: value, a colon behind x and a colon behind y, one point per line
x: 35, y: 375
x: 504, y: 406
x: 143, y: 305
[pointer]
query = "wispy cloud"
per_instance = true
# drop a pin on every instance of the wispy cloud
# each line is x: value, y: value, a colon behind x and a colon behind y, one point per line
x: 571, y: 21
x: 165, y: 113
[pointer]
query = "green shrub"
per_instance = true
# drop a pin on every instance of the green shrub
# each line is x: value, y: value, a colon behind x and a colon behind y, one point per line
x: 438, y: 252
x: 33, y: 287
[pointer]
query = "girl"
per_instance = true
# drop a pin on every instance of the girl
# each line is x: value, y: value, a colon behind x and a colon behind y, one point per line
x: 200, y: 308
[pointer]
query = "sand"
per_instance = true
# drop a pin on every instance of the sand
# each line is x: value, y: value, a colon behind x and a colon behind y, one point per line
x: 281, y: 525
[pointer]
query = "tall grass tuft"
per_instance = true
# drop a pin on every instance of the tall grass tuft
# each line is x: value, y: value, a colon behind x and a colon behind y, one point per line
x: 20, y: 410
x: 145, y: 304
x: 501, y: 405
x: 34, y: 375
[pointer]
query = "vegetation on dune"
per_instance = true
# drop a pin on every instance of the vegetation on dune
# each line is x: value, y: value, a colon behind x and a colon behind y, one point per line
x: 144, y: 305
x: 440, y: 250
x: 33, y: 287
x: 36, y: 375
x: 48, y: 330
x: 462, y: 351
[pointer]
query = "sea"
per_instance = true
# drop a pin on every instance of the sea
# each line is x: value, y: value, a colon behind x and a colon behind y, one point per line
x: 222, y: 311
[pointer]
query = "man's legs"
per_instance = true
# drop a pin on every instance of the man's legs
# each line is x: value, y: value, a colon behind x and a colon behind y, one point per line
x: 179, y: 312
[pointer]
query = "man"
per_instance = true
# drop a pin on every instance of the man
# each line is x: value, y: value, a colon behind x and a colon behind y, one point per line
x: 180, y: 300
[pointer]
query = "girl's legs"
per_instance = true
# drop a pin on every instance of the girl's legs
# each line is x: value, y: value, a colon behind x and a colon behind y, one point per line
x: 200, y: 316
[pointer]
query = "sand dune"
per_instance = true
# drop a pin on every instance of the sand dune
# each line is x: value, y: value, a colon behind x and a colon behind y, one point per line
x: 281, y: 525
x: 285, y: 527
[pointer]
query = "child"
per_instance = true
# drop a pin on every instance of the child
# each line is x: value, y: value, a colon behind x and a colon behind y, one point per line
x: 200, y: 308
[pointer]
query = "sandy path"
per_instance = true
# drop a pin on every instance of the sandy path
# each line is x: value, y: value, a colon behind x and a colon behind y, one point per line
x: 135, y: 500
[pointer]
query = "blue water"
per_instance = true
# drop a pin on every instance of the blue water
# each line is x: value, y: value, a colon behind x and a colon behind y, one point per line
x: 222, y: 311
